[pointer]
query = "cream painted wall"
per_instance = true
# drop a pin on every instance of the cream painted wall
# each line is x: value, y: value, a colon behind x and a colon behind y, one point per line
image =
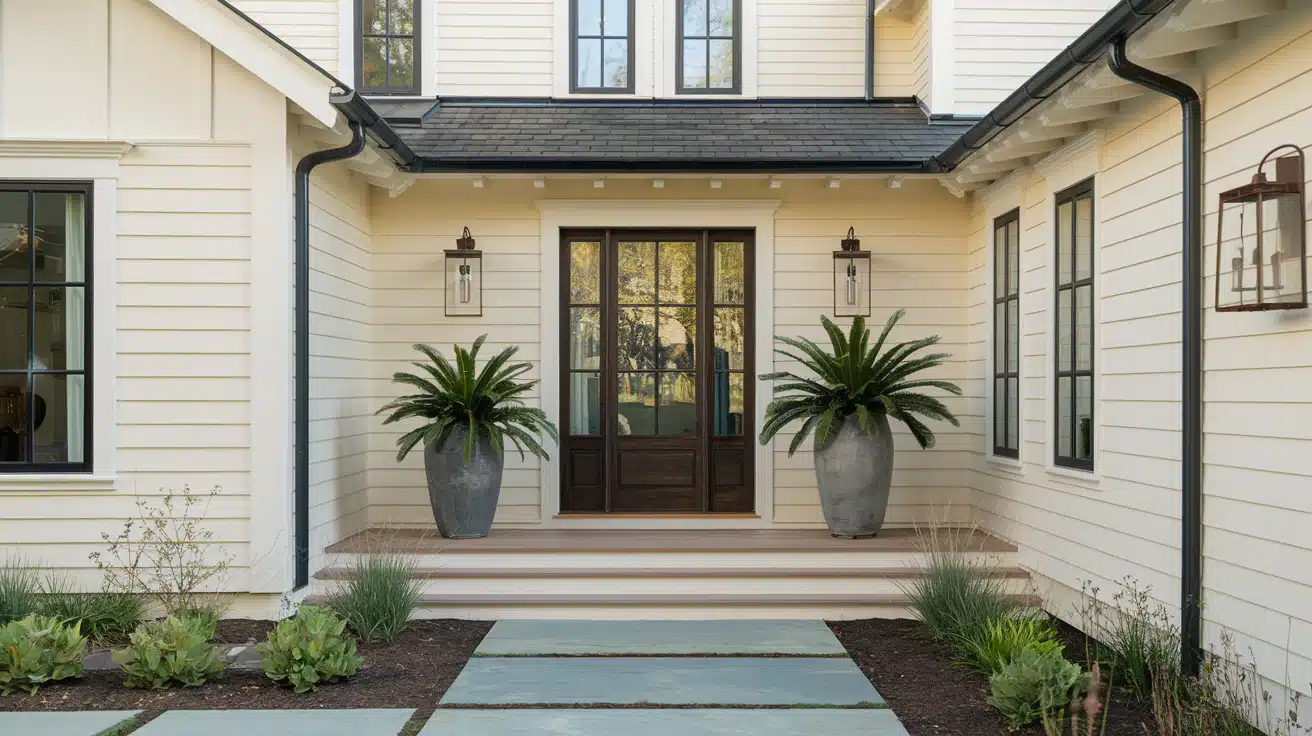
x: 1258, y: 371
x: 310, y: 26
x: 813, y: 49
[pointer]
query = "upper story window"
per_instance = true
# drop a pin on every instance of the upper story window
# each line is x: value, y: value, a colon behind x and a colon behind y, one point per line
x: 709, y: 46
x: 45, y: 327
x: 1074, y: 344
x: 387, y: 47
x: 601, y: 33
x: 1006, y: 335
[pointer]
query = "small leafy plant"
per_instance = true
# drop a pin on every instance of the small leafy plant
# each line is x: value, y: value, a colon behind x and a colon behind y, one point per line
x: 37, y: 650
x: 167, y: 652
x: 990, y: 647
x: 20, y: 588
x: 1037, y: 682
x: 309, y: 649
x: 487, y: 403
x: 957, y: 595
x: 104, y: 616
x: 378, y: 596
x: 856, y: 380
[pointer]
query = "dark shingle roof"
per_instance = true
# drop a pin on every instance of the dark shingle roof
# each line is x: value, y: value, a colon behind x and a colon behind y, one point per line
x: 677, y: 136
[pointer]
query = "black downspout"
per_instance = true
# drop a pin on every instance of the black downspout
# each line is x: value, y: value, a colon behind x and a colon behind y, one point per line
x: 302, y: 254
x: 1191, y: 341
x: 870, y: 49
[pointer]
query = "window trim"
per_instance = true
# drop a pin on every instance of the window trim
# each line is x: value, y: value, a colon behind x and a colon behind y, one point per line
x: 415, y: 35
x: 737, y: 38
x: 86, y: 189
x: 574, y: 87
x: 1081, y: 190
x: 1000, y: 448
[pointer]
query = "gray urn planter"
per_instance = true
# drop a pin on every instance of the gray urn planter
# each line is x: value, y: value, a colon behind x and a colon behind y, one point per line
x: 854, y: 474
x: 464, y: 496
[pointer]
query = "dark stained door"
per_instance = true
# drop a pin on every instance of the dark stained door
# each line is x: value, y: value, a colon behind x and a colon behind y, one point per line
x: 656, y: 355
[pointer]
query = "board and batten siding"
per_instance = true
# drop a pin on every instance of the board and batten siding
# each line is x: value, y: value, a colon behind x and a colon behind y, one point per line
x: 1257, y: 383
x: 309, y: 26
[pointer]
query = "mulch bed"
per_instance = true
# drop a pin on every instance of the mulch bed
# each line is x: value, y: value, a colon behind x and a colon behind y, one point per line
x: 412, y: 672
x: 931, y: 693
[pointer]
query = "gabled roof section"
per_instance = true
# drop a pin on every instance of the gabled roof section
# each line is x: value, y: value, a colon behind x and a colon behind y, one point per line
x: 673, y: 136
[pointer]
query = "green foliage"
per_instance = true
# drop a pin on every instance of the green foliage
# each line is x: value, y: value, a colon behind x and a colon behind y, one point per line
x: 378, y: 596
x: 309, y: 649
x: 488, y: 403
x: 990, y: 647
x: 1139, y: 637
x: 1036, y: 682
x: 957, y: 595
x: 39, y: 649
x: 168, y: 652
x: 859, y: 380
x: 104, y: 616
x: 20, y: 588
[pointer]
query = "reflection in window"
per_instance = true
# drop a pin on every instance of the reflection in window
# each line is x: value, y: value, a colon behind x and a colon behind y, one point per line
x: 1075, y: 343
x: 387, y: 51
x: 1006, y: 335
x: 708, y: 46
x: 603, y: 52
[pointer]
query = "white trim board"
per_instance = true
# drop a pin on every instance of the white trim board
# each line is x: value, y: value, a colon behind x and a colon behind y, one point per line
x: 562, y: 214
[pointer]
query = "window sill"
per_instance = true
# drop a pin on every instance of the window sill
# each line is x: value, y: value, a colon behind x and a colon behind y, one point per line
x: 1009, y: 463
x: 1087, y: 478
x: 56, y: 482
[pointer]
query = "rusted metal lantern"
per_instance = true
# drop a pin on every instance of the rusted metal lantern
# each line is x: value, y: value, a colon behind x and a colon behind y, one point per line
x: 851, y: 278
x: 1261, y: 253
x: 464, y: 279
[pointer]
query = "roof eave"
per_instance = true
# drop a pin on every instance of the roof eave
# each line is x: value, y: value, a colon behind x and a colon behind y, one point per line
x: 679, y: 166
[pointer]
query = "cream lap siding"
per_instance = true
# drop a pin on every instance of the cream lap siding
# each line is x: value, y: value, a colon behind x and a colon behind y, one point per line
x: 495, y: 49
x: 309, y: 26
x: 902, y: 54
x: 811, y: 48
x: 1001, y: 43
x: 921, y: 76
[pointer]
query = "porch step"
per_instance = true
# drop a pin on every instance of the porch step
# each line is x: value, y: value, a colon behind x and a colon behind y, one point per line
x: 459, y: 573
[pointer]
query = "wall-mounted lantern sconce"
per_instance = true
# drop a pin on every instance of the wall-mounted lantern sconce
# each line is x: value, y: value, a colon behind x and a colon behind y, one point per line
x: 1261, y: 254
x: 851, y: 278
x: 464, y: 279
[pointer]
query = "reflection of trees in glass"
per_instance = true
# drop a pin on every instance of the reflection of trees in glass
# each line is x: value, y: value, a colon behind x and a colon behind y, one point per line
x: 729, y: 270
x: 637, y: 273
x: 585, y: 273
x: 635, y: 338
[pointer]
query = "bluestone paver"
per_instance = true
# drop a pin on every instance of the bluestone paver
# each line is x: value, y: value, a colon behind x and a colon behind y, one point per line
x: 668, y: 722
x: 523, y: 638
x: 72, y: 723
x: 661, y: 681
x: 364, y: 722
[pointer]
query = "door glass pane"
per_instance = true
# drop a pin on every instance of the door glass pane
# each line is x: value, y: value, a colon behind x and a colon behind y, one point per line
x: 1064, y: 243
x: 678, y: 410
x: 585, y: 338
x: 694, y: 17
x: 589, y: 23
x: 730, y: 270
x: 14, y: 327
x: 617, y: 17
x: 637, y: 273
x: 678, y: 338
x: 678, y: 273
x: 694, y: 64
x: 1013, y: 412
x: 1013, y: 257
x: 721, y: 17
x: 584, y: 403
x: 1013, y: 335
x: 585, y: 273
x: 373, y: 62
x: 589, y: 63
x: 1000, y: 412
x: 1064, y: 330
x: 14, y: 238
x: 636, y: 338
x: 60, y: 237
x: 730, y: 339
x: 636, y: 404
x: 728, y: 408
x: 1064, y: 417
x: 1084, y: 328
x: 57, y: 418
x: 60, y: 324
x: 721, y: 64
x: 1083, y: 238
x: 615, y: 74
x: 401, y: 63
x: 1084, y: 417
x: 402, y: 17
x: 13, y: 410
x: 999, y: 262
x: 1000, y: 338
x: 373, y: 16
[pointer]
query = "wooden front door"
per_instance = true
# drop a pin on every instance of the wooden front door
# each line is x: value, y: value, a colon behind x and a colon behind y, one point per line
x: 656, y: 366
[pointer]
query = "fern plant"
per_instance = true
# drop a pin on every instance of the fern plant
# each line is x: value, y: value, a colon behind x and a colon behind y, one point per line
x: 486, y: 403
x: 856, y: 379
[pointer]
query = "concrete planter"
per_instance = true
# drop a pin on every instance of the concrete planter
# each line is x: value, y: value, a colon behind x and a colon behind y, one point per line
x: 854, y: 473
x: 464, y: 496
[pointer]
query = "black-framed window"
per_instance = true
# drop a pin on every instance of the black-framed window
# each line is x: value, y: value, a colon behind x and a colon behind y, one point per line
x: 387, y: 47
x: 601, y: 46
x: 709, y: 46
x: 1074, y: 384
x: 1006, y: 335
x: 45, y: 327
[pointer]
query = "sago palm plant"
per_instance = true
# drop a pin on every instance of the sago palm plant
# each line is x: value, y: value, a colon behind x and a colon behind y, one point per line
x: 857, y: 379
x: 486, y: 403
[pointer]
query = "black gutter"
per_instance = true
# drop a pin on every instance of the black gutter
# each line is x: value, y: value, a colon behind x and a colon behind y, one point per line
x: 1121, y: 21
x: 870, y: 49
x: 1191, y: 340
x: 357, y: 110
x: 302, y: 282
x: 525, y: 165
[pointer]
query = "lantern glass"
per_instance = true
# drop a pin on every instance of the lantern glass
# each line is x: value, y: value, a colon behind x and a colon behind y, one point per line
x: 464, y: 283
x: 851, y: 284
x: 1261, y: 249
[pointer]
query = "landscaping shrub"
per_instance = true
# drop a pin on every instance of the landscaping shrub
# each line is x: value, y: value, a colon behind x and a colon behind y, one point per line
x: 309, y: 649
x: 104, y: 617
x: 990, y: 647
x: 378, y: 596
x: 957, y: 596
x: 1037, y: 682
x: 20, y: 588
x: 39, y: 649
x: 167, y: 652
x: 1139, y: 637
